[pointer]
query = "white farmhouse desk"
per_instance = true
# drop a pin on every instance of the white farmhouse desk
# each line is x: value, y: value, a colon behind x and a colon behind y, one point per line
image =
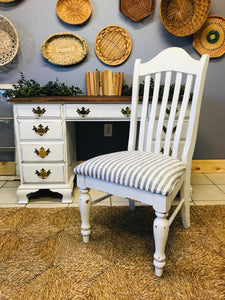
x: 46, y: 142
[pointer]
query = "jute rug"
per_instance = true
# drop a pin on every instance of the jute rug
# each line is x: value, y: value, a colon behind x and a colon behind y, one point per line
x: 42, y: 255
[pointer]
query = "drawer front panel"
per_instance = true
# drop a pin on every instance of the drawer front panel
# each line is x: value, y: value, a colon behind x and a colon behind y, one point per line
x: 43, y: 173
x: 41, y: 130
x: 42, y: 152
x: 38, y: 110
x: 97, y: 111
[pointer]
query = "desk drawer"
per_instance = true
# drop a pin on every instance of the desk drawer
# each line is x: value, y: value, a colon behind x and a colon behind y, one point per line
x: 40, y: 129
x: 98, y: 111
x: 43, y: 173
x: 38, y: 110
x: 42, y: 152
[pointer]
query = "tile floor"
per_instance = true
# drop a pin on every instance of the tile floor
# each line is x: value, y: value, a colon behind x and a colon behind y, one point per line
x: 208, y: 189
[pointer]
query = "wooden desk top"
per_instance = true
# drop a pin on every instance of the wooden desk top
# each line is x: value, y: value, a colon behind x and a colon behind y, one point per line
x: 75, y: 99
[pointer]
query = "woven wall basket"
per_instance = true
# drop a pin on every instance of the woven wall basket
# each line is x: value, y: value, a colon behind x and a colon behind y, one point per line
x: 210, y: 39
x: 64, y: 49
x: 184, y: 17
x: 9, y: 41
x: 113, y: 45
x: 136, y: 10
x: 74, y: 12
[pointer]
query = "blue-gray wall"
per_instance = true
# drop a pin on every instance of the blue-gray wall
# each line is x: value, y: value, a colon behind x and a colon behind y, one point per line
x: 35, y: 20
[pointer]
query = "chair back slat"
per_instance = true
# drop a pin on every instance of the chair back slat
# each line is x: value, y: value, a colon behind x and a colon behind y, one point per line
x: 172, y: 113
x: 153, y: 111
x: 144, y: 113
x: 182, y: 113
x: 161, y: 129
x: 162, y: 112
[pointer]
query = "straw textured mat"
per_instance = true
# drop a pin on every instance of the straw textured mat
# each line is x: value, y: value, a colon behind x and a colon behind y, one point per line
x: 42, y: 256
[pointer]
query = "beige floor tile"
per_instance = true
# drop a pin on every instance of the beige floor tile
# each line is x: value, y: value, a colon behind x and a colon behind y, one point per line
x: 45, y: 205
x: 222, y: 187
x: 209, y: 202
x: 207, y: 192
x: 118, y: 201
x: 217, y: 178
x: 8, y: 196
x: 199, y: 179
x: 11, y: 184
x: 2, y: 182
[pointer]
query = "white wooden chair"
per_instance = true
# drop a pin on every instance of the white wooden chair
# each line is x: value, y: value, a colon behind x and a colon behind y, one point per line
x: 145, y: 174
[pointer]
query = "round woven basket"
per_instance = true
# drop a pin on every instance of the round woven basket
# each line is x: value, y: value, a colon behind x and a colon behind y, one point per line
x: 113, y: 45
x: 210, y: 39
x: 184, y: 17
x: 74, y: 12
x: 64, y: 48
x: 9, y: 41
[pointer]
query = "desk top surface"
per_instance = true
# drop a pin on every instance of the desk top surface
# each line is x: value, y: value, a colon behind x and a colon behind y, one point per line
x: 75, y: 99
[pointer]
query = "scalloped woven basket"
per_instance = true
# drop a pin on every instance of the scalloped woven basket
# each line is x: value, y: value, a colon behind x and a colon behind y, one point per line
x: 184, y: 17
x: 113, y: 45
x: 9, y: 41
x: 74, y: 12
x: 64, y: 48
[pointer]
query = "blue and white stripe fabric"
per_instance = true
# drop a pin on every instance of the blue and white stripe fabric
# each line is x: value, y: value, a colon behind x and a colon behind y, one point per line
x: 147, y: 171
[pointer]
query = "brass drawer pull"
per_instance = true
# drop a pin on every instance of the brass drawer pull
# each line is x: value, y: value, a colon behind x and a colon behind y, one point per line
x: 126, y: 112
x: 40, y: 130
x: 83, y: 112
x: 38, y: 111
x: 43, y: 174
x: 173, y: 130
x: 42, y: 152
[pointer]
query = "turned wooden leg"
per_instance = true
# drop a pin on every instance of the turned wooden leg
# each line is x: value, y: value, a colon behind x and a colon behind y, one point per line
x: 160, y: 230
x: 85, y: 205
x: 185, y: 210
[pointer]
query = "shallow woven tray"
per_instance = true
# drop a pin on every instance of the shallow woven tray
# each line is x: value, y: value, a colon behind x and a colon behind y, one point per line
x: 184, y: 17
x: 136, y: 10
x: 9, y: 41
x: 64, y: 48
x: 74, y: 11
x: 113, y: 45
x: 210, y: 39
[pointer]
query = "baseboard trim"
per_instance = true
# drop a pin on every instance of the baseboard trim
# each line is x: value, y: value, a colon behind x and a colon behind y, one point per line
x: 198, y: 166
x: 7, y: 168
x: 208, y: 166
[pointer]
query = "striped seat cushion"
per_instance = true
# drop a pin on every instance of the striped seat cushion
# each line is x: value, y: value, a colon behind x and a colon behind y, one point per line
x: 147, y: 171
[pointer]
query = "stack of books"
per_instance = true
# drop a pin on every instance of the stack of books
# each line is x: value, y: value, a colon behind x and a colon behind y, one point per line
x: 105, y: 83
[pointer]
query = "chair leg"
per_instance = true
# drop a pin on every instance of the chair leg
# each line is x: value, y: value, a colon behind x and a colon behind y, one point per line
x: 160, y: 230
x: 185, y: 210
x: 85, y: 205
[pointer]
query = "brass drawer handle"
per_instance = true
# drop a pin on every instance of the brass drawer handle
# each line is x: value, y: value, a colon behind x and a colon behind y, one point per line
x: 83, y: 112
x: 170, y: 151
x: 38, y: 111
x: 43, y: 174
x: 40, y: 130
x: 173, y: 130
x: 126, y: 112
x: 168, y: 110
x: 42, y: 152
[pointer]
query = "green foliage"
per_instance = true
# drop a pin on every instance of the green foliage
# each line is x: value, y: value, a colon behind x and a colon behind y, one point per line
x: 127, y: 90
x: 31, y: 88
